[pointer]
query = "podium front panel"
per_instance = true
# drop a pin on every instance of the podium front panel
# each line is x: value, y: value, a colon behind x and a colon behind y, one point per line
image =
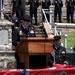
x: 29, y: 48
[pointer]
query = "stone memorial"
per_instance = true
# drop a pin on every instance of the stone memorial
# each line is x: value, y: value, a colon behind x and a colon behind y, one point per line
x: 7, y: 55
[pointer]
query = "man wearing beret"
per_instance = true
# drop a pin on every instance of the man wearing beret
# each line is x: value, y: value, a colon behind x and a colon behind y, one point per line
x: 25, y: 29
x: 58, y: 56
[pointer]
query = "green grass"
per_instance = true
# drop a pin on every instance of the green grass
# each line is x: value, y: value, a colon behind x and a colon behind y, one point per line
x: 71, y: 40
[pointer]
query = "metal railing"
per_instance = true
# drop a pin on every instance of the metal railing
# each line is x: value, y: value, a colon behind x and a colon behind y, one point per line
x: 44, y: 13
x: 55, y: 26
x: 50, y: 24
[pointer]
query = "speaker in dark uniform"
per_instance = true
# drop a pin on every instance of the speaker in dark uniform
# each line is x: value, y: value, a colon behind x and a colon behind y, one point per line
x: 25, y: 29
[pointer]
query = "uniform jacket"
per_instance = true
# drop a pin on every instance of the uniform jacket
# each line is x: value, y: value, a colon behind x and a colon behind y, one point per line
x: 14, y: 5
x: 58, y: 5
x: 13, y: 19
x: 20, y: 6
x: 33, y: 5
x: 20, y: 33
x: 46, y: 4
x: 70, y: 5
x: 60, y: 56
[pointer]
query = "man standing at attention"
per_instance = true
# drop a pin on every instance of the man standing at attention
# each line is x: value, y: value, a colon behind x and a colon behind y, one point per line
x: 20, y: 9
x: 58, y: 4
x: 34, y: 4
x: 70, y: 10
x: 45, y: 5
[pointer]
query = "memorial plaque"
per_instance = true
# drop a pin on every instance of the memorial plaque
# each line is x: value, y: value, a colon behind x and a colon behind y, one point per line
x: 3, y: 37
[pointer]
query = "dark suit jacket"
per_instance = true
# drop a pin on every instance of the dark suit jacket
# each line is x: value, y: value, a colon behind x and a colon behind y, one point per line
x: 58, y: 5
x: 60, y: 56
x: 20, y: 5
x: 21, y: 32
x: 45, y: 5
x: 70, y: 6
x: 33, y: 5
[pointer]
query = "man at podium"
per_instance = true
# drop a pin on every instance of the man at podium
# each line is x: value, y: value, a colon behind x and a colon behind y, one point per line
x: 25, y: 29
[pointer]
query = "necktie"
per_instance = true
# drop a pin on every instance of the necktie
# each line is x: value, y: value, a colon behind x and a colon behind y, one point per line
x: 26, y: 30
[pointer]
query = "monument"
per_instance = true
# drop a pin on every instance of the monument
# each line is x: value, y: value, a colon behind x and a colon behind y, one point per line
x: 7, y: 55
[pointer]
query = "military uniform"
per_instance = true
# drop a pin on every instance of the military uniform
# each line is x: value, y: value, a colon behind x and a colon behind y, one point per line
x: 70, y: 10
x: 21, y: 32
x: 58, y: 56
x: 45, y: 5
x: 57, y: 10
x: 14, y: 5
x: 24, y: 30
x: 33, y: 9
x: 20, y: 9
x: 14, y: 20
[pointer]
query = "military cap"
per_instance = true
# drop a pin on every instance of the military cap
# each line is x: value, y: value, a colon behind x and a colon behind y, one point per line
x: 26, y: 17
x: 57, y: 37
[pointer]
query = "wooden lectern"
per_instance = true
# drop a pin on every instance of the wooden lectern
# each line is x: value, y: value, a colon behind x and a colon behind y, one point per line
x: 33, y: 50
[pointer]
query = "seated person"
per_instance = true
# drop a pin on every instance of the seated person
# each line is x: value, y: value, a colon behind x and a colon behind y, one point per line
x: 58, y: 56
x: 25, y: 29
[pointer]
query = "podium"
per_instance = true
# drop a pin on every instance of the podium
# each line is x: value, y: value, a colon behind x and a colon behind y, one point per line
x: 33, y: 51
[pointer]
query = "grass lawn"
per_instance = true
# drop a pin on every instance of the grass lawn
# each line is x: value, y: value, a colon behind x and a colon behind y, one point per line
x: 71, y: 40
